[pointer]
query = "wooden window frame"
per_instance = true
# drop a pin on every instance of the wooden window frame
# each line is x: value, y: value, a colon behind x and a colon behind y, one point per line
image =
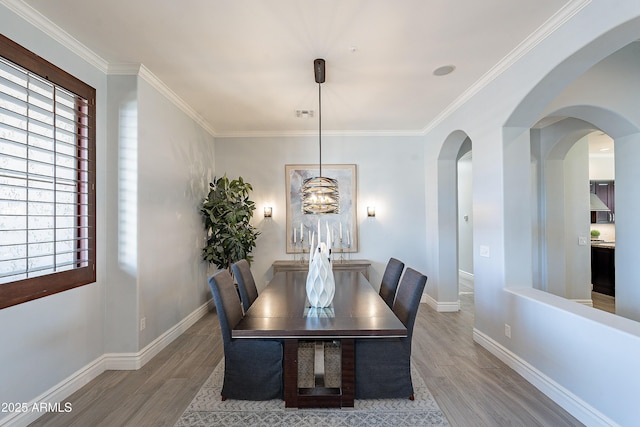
x: 20, y: 291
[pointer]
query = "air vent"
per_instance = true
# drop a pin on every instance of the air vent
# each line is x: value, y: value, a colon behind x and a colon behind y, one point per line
x: 304, y: 114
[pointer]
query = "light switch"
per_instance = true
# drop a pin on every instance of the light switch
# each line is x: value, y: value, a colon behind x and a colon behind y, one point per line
x: 583, y: 240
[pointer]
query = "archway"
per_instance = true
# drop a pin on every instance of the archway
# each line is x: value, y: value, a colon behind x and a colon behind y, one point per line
x: 574, y: 112
x: 557, y: 269
x: 454, y: 146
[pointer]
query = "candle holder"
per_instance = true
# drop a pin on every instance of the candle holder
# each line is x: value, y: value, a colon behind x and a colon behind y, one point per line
x: 341, y: 259
x: 301, y: 243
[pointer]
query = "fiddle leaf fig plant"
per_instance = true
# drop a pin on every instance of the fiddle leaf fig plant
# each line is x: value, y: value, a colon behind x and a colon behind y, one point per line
x: 227, y: 213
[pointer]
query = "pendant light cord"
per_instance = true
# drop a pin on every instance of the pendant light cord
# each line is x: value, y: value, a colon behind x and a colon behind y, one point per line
x: 320, y: 126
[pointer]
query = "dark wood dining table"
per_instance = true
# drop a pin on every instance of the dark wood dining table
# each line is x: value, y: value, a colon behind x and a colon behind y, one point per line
x: 282, y: 311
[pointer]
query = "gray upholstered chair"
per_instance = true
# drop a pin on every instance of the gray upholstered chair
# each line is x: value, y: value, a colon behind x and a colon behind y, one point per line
x: 246, y: 284
x: 383, y: 365
x: 252, y: 367
x: 390, y: 280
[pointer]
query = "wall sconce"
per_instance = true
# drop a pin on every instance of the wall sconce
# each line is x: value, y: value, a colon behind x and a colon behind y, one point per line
x: 268, y: 210
x: 371, y: 211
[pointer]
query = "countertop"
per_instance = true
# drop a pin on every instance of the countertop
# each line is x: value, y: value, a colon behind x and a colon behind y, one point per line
x: 603, y: 244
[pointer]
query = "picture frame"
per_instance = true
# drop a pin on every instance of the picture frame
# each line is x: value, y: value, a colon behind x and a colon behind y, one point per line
x: 345, y: 219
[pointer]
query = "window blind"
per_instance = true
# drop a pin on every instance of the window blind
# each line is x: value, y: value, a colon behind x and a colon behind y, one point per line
x: 45, y: 177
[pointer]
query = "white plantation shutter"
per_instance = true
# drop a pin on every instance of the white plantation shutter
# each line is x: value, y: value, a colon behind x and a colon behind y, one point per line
x: 47, y: 184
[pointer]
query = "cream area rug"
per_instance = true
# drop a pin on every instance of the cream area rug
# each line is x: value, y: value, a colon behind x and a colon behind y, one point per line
x: 207, y: 409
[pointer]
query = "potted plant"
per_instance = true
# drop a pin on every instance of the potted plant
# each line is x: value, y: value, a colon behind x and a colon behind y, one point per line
x: 595, y: 234
x: 227, y: 213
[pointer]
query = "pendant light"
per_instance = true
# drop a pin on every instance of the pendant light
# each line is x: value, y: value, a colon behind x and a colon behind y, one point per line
x: 320, y: 194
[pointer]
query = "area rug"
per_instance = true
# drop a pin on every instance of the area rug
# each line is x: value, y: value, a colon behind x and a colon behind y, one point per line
x: 207, y: 409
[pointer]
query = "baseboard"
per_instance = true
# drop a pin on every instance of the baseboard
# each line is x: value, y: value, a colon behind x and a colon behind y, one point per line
x: 57, y: 393
x: 441, y: 307
x: 584, y: 412
x: 115, y: 361
x: 134, y: 361
x: 465, y: 275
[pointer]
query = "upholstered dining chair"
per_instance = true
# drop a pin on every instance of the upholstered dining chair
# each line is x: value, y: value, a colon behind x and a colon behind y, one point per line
x: 390, y: 280
x: 246, y: 284
x: 252, y: 367
x: 383, y: 365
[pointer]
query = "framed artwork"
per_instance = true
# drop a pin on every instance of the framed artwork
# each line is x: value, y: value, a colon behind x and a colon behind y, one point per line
x: 300, y: 226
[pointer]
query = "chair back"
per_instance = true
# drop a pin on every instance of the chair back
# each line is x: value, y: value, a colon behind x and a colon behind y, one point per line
x: 246, y: 284
x: 408, y: 297
x: 227, y: 303
x: 390, y: 280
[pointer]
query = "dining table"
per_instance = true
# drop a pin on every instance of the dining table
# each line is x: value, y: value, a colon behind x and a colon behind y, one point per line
x: 282, y: 311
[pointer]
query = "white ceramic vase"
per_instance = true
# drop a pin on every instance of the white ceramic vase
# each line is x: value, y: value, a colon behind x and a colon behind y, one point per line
x: 321, y: 285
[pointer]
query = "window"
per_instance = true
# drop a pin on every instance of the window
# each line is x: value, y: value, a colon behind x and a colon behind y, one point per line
x: 47, y: 178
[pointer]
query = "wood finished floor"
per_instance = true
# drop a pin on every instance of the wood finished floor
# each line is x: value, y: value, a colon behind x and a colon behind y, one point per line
x: 603, y: 302
x: 471, y: 386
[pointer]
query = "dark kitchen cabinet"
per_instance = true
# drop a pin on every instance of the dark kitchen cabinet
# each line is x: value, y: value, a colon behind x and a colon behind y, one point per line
x: 605, y: 190
x: 603, y: 270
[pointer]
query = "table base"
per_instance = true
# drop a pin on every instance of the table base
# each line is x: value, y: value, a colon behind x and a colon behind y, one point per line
x: 319, y: 397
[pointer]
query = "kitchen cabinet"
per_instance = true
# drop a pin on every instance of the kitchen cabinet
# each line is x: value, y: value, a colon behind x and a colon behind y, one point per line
x: 603, y: 269
x: 605, y: 190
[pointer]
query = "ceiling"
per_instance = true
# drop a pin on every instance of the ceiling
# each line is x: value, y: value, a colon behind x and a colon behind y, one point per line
x: 600, y: 144
x: 245, y: 66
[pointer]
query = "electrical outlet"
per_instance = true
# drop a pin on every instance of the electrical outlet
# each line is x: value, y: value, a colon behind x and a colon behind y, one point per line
x: 143, y: 323
x: 507, y: 330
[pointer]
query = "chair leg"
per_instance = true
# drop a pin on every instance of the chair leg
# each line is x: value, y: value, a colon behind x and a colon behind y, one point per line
x: 224, y: 398
x: 412, y: 397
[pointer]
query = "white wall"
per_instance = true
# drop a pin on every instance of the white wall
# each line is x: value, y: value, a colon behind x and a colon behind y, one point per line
x: 153, y: 165
x: 390, y: 176
x: 578, y: 257
x: 465, y: 208
x: 121, y: 296
x: 552, y: 339
x: 161, y: 161
x: 176, y: 161
x: 47, y: 340
x: 602, y: 167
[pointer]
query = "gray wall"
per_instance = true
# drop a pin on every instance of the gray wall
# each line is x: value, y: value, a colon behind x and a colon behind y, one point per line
x: 390, y: 176
x: 176, y: 162
x: 49, y: 339
x: 465, y: 208
x: 153, y: 165
x: 554, y: 342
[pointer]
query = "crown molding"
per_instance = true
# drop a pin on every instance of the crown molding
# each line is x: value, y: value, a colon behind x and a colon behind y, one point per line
x: 39, y: 21
x: 123, y: 69
x: 159, y: 85
x: 32, y: 16
x: 567, y: 12
x: 144, y: 73
x: 314, y: 133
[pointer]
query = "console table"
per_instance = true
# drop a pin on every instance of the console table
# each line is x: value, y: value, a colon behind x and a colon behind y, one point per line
x: 357, y: 265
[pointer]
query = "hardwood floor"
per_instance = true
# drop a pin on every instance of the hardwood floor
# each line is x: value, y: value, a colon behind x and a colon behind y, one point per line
x: 472, y: 387
x: 603, y: 302
x: 156, y: 394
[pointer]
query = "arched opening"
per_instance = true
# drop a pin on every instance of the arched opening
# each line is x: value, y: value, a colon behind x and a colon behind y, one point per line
x: 465, y: 225
x: 454, y: 147
x: 561, y: 247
